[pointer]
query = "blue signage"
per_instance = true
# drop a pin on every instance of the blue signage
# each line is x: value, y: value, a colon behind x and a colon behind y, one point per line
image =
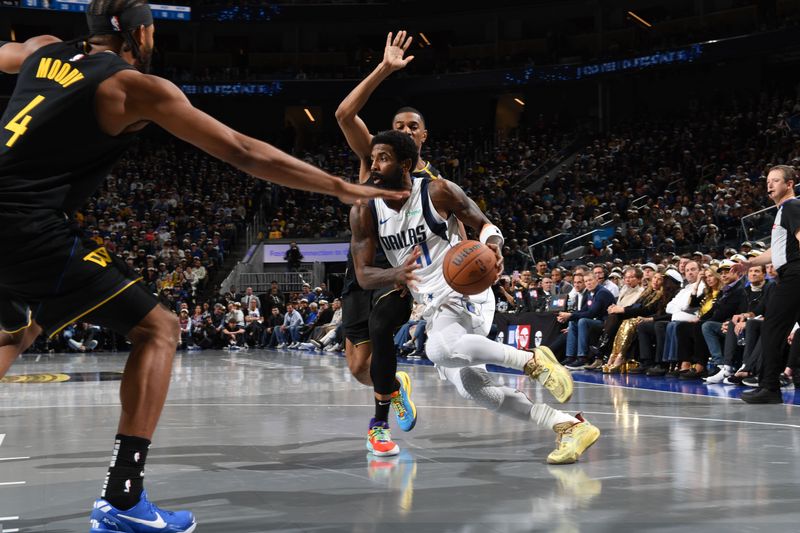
x: 675, y: 57
x: 160, y: 11
x: 229, y: 89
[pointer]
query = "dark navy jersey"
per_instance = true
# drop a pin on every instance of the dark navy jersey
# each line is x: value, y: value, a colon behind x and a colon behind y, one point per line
x: 428, y: 171
x: 53, y: 154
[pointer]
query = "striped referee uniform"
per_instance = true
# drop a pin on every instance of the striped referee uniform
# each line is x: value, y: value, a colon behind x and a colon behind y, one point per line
x: 783, y: 310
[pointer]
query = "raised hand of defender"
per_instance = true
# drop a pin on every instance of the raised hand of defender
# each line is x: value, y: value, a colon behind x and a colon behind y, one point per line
x: 500, y: 261
x: 405, y: 275
x: 396, y: 48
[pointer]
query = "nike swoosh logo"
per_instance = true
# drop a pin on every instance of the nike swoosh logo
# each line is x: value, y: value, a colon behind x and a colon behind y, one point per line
x: 158, y: 523
x: 384, y: 221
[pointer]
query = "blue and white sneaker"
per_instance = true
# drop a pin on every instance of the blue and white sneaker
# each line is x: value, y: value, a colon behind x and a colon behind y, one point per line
x: 144, y: 517
x: 404, y: 408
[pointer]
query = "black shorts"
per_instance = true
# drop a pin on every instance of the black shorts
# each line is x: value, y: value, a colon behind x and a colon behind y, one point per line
x: 51, y: 276
x: 358, y: 305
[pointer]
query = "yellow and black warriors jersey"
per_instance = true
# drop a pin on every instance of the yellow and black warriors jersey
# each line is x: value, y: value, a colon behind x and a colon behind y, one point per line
x: 53, y: 155
x: 428, y: 171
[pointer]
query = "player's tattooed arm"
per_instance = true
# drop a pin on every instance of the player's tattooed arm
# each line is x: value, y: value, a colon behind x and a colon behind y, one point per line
x: 13, y: 55
x: 449, y: 198
x: 364, y: 243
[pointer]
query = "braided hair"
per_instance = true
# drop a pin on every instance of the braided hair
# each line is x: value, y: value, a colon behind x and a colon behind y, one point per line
x: 125, y: 39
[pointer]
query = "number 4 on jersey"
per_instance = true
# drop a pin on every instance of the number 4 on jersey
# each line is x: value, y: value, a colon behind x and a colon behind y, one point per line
x: 19, y: 124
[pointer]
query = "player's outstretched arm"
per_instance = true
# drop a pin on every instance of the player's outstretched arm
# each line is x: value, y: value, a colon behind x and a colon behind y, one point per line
x: 763, y: 259
x: 363, y: 244
x: 450, y: 198
x: 13, y: 55
x: 354, y: 129
x: 154, y: 99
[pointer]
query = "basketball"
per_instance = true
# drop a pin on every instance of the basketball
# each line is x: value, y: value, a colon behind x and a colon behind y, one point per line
x: 470, y: 267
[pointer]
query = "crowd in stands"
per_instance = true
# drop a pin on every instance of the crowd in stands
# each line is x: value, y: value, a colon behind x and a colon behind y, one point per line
x: 668, y: 187
x: 175, y: 233
x: 688, y: 317
x: 694, y: 179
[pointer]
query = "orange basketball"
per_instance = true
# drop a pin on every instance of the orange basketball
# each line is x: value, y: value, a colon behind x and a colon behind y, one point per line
x: 470, y: 267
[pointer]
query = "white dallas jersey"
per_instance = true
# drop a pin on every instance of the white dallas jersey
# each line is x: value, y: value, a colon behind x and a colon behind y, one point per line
x: 419, y: 224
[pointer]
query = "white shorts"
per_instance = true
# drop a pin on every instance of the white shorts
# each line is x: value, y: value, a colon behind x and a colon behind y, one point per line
x: 460, y: 315
x: 475, y: 313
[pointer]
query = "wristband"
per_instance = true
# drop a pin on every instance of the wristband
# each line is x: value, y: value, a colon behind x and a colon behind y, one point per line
x: 490, y: 231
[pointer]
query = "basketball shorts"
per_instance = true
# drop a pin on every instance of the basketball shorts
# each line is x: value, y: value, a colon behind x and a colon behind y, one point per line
x: 358, y: 305
x: 50, y: 275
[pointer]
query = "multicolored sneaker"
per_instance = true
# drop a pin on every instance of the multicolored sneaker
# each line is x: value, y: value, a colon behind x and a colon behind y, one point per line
x: 379, y: 439
x: 573, y: 438
x: 404, y: 408
x: 545, y: 368
x: 144, y: 517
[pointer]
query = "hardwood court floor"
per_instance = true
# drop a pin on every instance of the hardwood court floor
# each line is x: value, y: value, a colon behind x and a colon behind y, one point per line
x: 274, y: 441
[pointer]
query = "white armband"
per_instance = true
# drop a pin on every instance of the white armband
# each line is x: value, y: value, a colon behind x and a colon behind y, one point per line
x: 492, y: 233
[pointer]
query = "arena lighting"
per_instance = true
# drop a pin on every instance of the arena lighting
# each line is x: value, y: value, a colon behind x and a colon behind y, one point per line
x: 13, y: 35
x: 424, y: 38
x: 639, y: 19
x: 309, y: 115
x: 519, y: 101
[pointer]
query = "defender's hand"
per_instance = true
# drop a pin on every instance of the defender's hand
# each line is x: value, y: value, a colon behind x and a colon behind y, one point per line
x: 395, y: 50
x: 353, y: 193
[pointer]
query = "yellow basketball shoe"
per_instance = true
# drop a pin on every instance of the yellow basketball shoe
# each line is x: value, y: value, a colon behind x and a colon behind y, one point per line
x: 573, y: 438
x: 545, y: 368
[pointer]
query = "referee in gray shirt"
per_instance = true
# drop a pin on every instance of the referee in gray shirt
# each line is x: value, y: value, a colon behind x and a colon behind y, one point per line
x: 782, y: 310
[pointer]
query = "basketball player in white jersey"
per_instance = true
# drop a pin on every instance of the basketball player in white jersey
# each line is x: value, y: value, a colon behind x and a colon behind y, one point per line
x: 415, y: 235
x: 371, y: 318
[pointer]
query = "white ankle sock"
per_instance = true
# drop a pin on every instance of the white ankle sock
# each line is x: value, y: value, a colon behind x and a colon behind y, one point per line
x: 545, y: 416
x: 513, y: 358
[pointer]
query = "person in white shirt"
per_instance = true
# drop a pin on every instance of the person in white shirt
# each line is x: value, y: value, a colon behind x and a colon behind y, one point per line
x: 661, y: 333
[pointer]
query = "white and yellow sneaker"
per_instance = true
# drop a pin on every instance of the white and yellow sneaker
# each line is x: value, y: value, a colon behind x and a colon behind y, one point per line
x: 545, y: 368
x: 573, y: 438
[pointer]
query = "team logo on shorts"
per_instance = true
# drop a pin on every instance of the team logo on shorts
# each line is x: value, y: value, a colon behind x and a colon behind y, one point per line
x: 99, y: 257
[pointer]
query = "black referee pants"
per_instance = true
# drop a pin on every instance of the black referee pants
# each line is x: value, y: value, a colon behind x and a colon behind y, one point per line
x: 779, y: 318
